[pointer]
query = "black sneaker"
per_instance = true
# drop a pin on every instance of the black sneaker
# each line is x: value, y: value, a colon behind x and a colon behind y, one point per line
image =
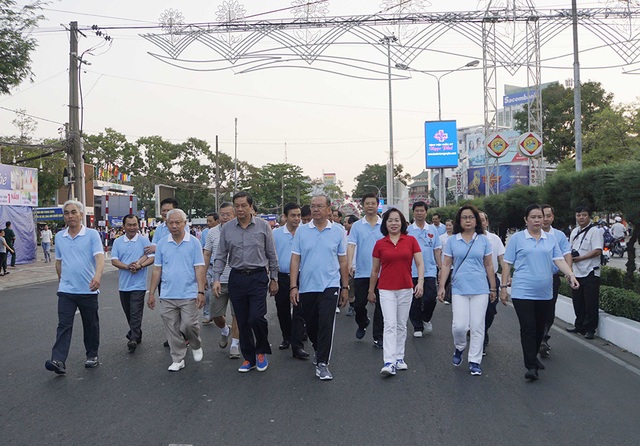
x: 360, y: 332
x: 377, y: 343
x: 544, y: 349
x: 531, y: 375
x: 589, y: 335
x: 132, y: 345
x: 55, y: 366
x: 91, y: 363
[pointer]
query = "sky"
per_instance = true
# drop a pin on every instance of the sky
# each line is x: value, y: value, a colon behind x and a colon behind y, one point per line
x: 321, y: 121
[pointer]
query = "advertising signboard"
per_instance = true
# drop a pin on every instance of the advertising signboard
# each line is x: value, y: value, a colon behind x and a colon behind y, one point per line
x: 18, y: 186
x: 508, y: 177
x: 441, y: 144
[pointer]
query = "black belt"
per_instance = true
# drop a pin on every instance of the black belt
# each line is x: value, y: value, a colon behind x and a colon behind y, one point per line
x: 248, y: 272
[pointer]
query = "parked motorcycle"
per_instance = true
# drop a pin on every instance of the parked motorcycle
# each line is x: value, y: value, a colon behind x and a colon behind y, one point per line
x: 606, y: 256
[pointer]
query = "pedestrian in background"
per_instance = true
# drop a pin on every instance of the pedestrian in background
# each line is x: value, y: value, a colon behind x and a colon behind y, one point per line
x: 532, y: 253
x: 395, y: 253
x: 45, y: 238
x: 472, y: 284
x: 10, y: 237
x: 4, y: 248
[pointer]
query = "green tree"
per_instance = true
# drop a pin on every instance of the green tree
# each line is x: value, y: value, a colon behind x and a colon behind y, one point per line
x: 195, y: 177
x: 376, y: 175
x: 558, y: 117
x: 276, y: 184
x: 16, y: 45
x: 111, y: 148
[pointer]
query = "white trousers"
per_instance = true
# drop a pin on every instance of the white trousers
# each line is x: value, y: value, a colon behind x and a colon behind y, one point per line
x: 395, y: 305
x: 468, y: 314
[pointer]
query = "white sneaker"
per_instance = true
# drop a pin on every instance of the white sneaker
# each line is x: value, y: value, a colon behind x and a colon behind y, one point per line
x: 401, y: 365
x: 197, y: 354
x: 417, y: 334
x: 447, y: 302
x: 176, y: 366
x: 428, y: 327
x: 337, y: 310
x: 389, y: 369
x: 234, y: 352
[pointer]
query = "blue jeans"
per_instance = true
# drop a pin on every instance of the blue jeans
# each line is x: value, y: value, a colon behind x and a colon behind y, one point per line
x: 67, y: 306
x: 47, y: 253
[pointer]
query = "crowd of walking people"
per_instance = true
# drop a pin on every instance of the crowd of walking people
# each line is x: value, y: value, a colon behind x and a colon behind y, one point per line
x: 318, y: 261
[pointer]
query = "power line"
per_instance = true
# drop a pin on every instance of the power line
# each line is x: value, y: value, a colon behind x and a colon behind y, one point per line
x: 31, y: 116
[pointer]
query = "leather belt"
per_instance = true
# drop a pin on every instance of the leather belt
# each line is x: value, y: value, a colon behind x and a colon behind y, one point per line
x: 248, y: 272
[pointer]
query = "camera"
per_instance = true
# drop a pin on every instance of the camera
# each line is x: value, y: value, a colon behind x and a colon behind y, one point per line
x: 575, y: 253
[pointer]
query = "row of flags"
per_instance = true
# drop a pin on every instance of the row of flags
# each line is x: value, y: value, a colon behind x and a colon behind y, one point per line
x: 111, y: 172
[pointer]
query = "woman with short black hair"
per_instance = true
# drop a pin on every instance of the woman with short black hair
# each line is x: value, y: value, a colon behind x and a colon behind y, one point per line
x: 473, y: 283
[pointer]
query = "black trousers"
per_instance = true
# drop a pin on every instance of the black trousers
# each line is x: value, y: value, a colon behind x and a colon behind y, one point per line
x: 67, y: 306
x: 3, y: 262
x: 422, y: 309
x: 551, y: 317
x: 586, y: 301
x: 248, y: 295
x: 532, y: 315
x: 13, y: 254
x: 361, y: 287
x: 133, y: 305
x: 492, y: 310
x: 291, y: 325
x: 319, y: 313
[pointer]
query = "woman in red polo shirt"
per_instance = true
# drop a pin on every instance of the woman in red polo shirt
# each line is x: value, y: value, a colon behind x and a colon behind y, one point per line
x: 395, y: 253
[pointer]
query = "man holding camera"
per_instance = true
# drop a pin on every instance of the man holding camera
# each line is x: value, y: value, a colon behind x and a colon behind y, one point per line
x: 587, y: 243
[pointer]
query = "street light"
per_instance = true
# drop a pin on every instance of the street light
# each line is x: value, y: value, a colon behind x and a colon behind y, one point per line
x: 390, y: 167
x: 378, y: 188
x: 474, y: 63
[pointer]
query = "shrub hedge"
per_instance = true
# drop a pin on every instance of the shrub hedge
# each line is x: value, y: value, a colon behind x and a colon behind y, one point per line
x: 614, y: 300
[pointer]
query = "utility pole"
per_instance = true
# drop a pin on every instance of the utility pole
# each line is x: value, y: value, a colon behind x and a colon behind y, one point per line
x: 75, y: 138
x: 217, y: 175
x: 577, y: 101
x: 235, y: 159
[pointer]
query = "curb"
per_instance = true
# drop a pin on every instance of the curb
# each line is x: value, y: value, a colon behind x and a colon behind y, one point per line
x: 620, y: 331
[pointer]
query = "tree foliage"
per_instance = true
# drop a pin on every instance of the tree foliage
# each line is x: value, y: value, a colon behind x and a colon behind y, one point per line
x: 16, y: 45
x: 376, y: 175
x: 558, y: 117
x: 276, y: 184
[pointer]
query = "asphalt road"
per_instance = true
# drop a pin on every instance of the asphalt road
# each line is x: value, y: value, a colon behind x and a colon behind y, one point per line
x: 588, y: 394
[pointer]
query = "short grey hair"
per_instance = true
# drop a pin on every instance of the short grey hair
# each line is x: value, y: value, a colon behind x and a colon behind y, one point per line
x: 177, y: 211
x: 75, y: 203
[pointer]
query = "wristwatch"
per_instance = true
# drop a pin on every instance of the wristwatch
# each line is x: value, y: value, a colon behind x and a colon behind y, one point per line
x: 200, y: 292
x: 345, y: 288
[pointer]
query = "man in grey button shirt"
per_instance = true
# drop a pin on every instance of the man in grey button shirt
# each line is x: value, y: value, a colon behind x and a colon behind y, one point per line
x: 248, y: 244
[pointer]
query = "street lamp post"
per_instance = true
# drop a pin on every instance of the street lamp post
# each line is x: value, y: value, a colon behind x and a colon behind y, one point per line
x: 378, y: 188
x: 390, y: 165
x: 442, y: 196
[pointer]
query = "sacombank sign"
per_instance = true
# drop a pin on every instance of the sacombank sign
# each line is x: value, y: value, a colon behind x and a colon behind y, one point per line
x: 524, y: 97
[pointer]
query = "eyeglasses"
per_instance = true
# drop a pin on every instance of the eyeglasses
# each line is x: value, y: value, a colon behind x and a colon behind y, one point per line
x: 467, y: 217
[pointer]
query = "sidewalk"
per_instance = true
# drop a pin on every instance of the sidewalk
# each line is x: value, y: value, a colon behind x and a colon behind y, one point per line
x: 36, y: 272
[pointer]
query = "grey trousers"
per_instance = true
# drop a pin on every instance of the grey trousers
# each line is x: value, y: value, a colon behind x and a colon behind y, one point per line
x: 180, y: 317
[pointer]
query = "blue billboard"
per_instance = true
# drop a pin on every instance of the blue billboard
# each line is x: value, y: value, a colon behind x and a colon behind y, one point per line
x: 441, y: 144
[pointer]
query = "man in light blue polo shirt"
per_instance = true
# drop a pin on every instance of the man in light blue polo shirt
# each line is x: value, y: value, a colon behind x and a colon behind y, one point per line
x: 362, y: 238
x: 565, y: 249
x: 179, y: 263
x: 212, y: 222
x: 79, y: 265
x: 128, y: 256
x: 291, y: 325
x: 319, y: 260
x: 429, y: 241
